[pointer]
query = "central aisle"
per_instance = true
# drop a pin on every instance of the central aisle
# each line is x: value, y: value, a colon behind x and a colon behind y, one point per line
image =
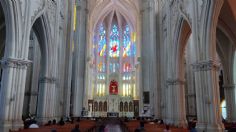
x: 112, y: 128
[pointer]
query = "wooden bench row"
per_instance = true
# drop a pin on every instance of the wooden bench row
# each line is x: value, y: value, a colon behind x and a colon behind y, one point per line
x: 151, y: 127
x: 85, y: 126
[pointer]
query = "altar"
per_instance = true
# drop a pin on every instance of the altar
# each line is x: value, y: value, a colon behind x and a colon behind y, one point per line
x: 113, y: 100
x: 112, y: 114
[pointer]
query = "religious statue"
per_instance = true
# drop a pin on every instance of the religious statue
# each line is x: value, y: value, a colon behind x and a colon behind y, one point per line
x: 113, y: 89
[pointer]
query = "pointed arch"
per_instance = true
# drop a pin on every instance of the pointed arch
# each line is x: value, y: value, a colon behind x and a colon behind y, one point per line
x: 102, y: 10
x: 10, y: 27
x: 184, y: 31
x: 211, y: 25
x: 41, y: 29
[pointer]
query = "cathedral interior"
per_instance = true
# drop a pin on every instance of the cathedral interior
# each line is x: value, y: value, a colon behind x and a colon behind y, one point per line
x: 168, y: 60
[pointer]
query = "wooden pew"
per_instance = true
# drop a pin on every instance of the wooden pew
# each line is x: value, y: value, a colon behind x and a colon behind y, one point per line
x: 85, y: 126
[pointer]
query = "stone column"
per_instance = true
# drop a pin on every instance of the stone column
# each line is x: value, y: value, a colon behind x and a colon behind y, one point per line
x: 46, y: 108
x: 175, y: 100
x: 78, y: 83
x: 190, y: 92
x: 68, y: 58
x: 12, y: 93
x: 207, y: 96
x: 230, y: 98
x: 148, y: 52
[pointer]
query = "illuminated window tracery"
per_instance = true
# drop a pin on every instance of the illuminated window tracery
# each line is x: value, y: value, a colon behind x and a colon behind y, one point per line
x: 114, y: 48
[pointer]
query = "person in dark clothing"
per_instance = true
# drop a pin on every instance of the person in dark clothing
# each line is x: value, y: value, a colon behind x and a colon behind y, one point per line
x: 193, y: 128
x: 61, y: 122
x: 54, y: 122
x: 142, y: 124
x: 49, y: 123
x: 76, y: 129
x: 101, y: 128
x: 53, y: 130
x: 161, y: 121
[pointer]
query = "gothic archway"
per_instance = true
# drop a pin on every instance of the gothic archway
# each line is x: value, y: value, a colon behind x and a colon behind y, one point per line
x: 45, y: 87
x: 95, y: 106
x: 225, y: 46
x: 181, y: 39
x: 32, y: 77
x: 111, y: 51
x: 225, y: 49
x: 121, y: 106
x: 186, y: 56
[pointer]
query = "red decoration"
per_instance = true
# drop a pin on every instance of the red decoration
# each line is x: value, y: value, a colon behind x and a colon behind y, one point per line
x: 114, y: 48
x: 113, y: 88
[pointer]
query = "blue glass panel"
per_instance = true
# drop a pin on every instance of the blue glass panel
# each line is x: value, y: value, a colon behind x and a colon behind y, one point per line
x: 114, y: 42
x: 102, y: 41
x: 126, y: 42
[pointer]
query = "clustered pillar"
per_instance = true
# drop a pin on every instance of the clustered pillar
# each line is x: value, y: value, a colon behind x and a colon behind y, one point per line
x: 12, y: 93
x: 46, y: 99
x: 78, y: 82
x: 230, y: 98
x: 175, y: 99
x: 148, y: 54
x: 207, y: 96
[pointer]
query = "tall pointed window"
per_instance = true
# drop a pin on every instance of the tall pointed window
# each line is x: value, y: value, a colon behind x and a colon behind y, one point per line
x: 126, y: 42
x: 102, y: 41
x: 114, y: 53
x: 114, y: 42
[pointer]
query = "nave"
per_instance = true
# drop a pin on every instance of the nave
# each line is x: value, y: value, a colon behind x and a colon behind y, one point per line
x: 173, y: 60
x: 107, y: 125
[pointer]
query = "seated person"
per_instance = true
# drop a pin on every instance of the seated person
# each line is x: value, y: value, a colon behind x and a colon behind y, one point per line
x: 76, y: 129
x: 49, y: 123
x: 193, y: 128
x: 167, y: 129
x: 54, y: 122
x: 61, y: 122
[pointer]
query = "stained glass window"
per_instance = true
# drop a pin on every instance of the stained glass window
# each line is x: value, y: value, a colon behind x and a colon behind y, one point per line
x: 102, y: 41
x: 126, y: 42
x: 126, y: 67
x: 114, y: 53
x: 101, y: 67
x: 133, y: 44
x: 114, y: 42
x: 114, y: 67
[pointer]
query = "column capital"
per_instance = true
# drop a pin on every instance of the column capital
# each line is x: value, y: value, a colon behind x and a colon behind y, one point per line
x: 48, y: 80
x: 205, y: 65
x: 15, y: 63
x: 229, y: 86
x: 176, y: 81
